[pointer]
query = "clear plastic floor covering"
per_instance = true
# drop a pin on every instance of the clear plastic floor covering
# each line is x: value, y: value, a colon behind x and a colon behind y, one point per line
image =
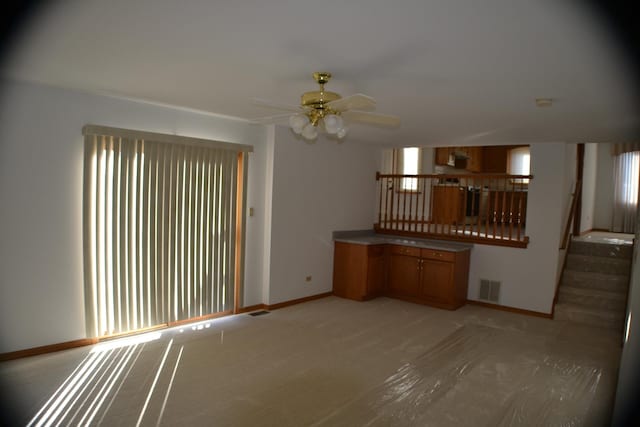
x: 440, y: 388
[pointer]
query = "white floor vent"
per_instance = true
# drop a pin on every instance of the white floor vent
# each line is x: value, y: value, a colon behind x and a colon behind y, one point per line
x: 489, y: 290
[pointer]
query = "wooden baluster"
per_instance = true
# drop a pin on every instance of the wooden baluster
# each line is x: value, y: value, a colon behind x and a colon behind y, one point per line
x: 487, y: 216
x: 431, y: 219
x: 503, y: 207
x: 410, y: 192
x: 520, y: 208
x: 496, y: 198
x: 380, y: 199
x: 396, y: 211
x: 393, y: 212
x: 423, y: 182
x: 387, y: 184
x: 465, y: 204
x: 511, y: 217
x: 404, y: 203
x: 479, y: 212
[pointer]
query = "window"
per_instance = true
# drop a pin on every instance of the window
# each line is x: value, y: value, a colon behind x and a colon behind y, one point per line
x: 161, y: 231
x: 520, y: 163
x: 410, y: 165
x: 625, y: 193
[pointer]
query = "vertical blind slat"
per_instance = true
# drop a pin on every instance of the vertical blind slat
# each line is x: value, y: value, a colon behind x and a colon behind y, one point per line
x: 231, y: 203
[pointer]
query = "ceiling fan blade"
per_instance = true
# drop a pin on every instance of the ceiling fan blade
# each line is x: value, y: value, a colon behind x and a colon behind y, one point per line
x: 276, y: 105
x: 271, y: 119
x: 372, y: 118
x: 357, y: 101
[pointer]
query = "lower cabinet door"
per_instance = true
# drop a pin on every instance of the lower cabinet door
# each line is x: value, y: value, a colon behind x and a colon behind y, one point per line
x: 376, y: 274
x: 404, y: 275
x: 437, y: 282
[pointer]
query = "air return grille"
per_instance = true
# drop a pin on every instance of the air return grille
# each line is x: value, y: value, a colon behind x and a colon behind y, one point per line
x: 489, y: 290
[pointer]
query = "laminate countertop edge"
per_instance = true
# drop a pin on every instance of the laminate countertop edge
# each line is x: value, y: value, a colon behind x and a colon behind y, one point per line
x: 361, y: 238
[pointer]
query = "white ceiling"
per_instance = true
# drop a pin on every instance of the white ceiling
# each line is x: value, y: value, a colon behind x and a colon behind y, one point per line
x: 455, y: 71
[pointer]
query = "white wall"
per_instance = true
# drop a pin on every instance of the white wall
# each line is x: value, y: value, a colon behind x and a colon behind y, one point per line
x: 528, y: 275
x: 41, y: 157
x: 628, y: 388
x: 317, y: 189
x: 589, y: 180
x: 603, y: 208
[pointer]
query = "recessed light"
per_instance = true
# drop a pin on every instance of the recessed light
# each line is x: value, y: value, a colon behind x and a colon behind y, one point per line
x: 544, y: 102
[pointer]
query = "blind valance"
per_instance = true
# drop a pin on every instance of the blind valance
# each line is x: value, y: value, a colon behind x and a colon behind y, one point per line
x: 621, y: 148
x: 161, y: 137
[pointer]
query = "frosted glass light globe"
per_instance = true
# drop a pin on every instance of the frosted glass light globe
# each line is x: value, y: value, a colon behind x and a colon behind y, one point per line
x: 310, y: 131
x: 342, y: 132
x: 333, y: 123
x: 298, y: 122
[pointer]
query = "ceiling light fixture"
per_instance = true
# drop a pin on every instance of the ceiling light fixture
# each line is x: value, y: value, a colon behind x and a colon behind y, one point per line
x: 544, y: 102
x: 328, y: 112
x: 318, y: 115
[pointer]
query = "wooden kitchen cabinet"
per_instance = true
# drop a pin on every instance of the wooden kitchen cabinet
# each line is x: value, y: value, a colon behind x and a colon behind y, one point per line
x: 474, y: 162
x: 404, y: 271
x: 428, y: 276
x: 359, y: 271
x: 494, y: 159
x: 442, y: 156
x: 445, y: 278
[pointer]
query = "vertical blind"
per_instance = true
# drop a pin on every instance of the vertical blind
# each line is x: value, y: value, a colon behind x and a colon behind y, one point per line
x: 159, y: 229
x: 626, y: 176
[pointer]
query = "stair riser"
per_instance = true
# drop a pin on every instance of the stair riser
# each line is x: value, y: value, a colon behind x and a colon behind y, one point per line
x: 588, y: 319
x: 619, y: 284
x: 601, y: 249
x: 597, y: 264
x: 615, y: 305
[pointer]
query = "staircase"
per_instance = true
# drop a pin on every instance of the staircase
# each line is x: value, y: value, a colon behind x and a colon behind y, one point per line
x: 595, y: 284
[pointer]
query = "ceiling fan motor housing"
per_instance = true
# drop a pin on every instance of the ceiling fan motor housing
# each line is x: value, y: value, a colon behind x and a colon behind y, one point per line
x: 318, y: 99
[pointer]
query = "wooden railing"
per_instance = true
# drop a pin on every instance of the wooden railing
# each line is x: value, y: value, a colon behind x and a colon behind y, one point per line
x: 482, y: 208
x: 572, y: 214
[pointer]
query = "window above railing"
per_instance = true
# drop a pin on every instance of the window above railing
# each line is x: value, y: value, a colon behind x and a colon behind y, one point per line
x: 479, y: 208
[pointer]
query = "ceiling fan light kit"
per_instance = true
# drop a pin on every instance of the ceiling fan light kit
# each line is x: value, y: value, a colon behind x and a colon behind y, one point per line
x: 323, y: 110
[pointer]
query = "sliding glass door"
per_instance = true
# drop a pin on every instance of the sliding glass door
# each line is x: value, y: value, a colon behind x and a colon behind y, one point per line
x: 160, y: 230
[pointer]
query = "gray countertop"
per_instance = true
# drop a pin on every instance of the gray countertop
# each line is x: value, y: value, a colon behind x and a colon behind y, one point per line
x: 369, y: 237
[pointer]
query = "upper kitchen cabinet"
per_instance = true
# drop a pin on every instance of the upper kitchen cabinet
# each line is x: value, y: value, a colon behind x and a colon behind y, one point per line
x: 442, y: 156
x: 468, y: 158
x: 483, y: 159
x: 495, y: 158
x: 474, y: 159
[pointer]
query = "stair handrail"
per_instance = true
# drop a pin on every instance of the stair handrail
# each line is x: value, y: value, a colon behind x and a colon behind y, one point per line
x: 572, y: 212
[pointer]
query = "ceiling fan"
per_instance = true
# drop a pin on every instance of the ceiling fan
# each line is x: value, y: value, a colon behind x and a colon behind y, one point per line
x: 328, y: 111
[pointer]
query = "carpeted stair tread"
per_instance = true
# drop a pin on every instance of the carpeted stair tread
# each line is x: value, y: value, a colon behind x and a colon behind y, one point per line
x: 622, y: 251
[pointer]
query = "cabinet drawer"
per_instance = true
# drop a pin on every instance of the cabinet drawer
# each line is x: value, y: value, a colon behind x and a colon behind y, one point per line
x: 438, y: 255
x: 405, y: 250
x: 376, y: 250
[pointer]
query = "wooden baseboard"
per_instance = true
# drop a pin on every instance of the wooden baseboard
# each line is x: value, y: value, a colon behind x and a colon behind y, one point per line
x: 298, y: 301
x: 47, y: 349
x: 283, y: 304
x: 510, y: 309
x: 251, y: 308
x: 90, y: 341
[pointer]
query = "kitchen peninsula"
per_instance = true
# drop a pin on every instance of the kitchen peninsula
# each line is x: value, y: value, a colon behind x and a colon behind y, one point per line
x: 432, y: 272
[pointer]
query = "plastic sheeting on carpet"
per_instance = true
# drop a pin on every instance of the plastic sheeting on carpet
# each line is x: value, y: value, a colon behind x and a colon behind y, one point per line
x: 532, y: 385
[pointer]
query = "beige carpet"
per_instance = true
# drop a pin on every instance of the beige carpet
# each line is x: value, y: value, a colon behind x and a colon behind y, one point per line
x: 330, y: 362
